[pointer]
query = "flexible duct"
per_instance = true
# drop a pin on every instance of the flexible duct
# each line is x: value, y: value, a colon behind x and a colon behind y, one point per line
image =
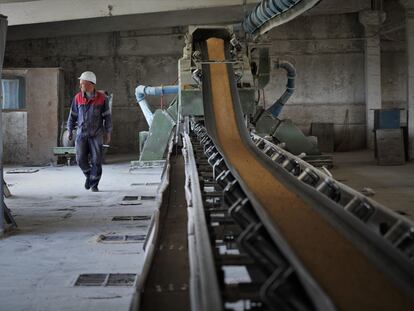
x: 259, y: 20
x: 141, y: 91
x: 277, y: 107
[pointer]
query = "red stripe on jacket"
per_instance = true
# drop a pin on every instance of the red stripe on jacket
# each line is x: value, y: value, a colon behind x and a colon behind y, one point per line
x: 98, y: 100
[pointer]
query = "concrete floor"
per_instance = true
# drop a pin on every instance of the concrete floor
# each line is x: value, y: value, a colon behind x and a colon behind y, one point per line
x: 393, y: 185
x: 59, y: 223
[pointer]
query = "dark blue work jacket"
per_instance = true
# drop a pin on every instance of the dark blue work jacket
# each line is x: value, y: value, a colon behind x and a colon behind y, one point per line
x: 93, y: 115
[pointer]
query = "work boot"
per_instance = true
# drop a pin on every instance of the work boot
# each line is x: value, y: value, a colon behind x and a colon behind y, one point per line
x: 95, y: 189
x: 87, y: 184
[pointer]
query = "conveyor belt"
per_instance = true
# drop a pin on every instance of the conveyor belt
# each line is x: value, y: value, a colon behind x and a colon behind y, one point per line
x: 350, y: 278
x: 167, y: 280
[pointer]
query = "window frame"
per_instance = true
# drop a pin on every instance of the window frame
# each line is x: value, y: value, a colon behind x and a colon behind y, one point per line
x: 22, y: 92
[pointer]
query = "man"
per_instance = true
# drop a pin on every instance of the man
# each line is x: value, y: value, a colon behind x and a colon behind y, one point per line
x: 90, y: 110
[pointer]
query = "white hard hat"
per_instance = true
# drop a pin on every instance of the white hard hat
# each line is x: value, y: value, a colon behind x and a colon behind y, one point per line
x: 88, y: 76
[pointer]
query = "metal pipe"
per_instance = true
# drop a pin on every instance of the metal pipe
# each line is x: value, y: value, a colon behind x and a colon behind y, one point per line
x: 3, y: 30
x: 277, y: 107
x: 141, y: 91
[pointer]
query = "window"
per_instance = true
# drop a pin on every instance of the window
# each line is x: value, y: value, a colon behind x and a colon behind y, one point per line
x: 13, y: 91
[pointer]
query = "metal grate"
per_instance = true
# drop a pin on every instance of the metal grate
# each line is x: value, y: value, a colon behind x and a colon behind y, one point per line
x: 135, y: 238
x: 146, y: 184
x: 23, y: 171
x: 110, y: 238
x: 106, y: 279
x: 121, y: 238
x: 136, y: 198
x: 67, y: 209
x: 147, y: 197
x: 131, y: 218
x: 121, y: 279
x: 130, y: 198
x: 130, y: 203
x: 93, y: 279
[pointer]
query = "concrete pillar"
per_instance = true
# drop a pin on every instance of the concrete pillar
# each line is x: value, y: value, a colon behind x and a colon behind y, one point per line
x: 372, y: 21
x: 3, y: 30
x: 409, y: 20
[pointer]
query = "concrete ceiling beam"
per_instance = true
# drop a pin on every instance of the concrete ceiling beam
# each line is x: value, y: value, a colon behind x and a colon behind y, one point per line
x: 136, y: 22
x: 41, y: 11
x: 21, y: 12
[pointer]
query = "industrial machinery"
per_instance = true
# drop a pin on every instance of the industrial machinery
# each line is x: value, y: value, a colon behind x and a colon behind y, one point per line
x: 244, y: 224
x: 190, y: 103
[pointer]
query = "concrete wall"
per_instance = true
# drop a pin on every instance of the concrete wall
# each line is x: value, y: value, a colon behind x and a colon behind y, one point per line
x: 121, y: 61
x: 330, y: 74
x: 30, y: 134
x: 328, y: 52
x: 326, y: 49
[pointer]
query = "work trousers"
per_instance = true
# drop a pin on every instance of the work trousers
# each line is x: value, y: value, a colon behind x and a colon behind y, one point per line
x: 90, y: 148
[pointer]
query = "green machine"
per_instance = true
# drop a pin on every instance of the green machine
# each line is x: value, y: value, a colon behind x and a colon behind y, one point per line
x: 267, y: 122
x: 189, y: 101
x: 153, y: 143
